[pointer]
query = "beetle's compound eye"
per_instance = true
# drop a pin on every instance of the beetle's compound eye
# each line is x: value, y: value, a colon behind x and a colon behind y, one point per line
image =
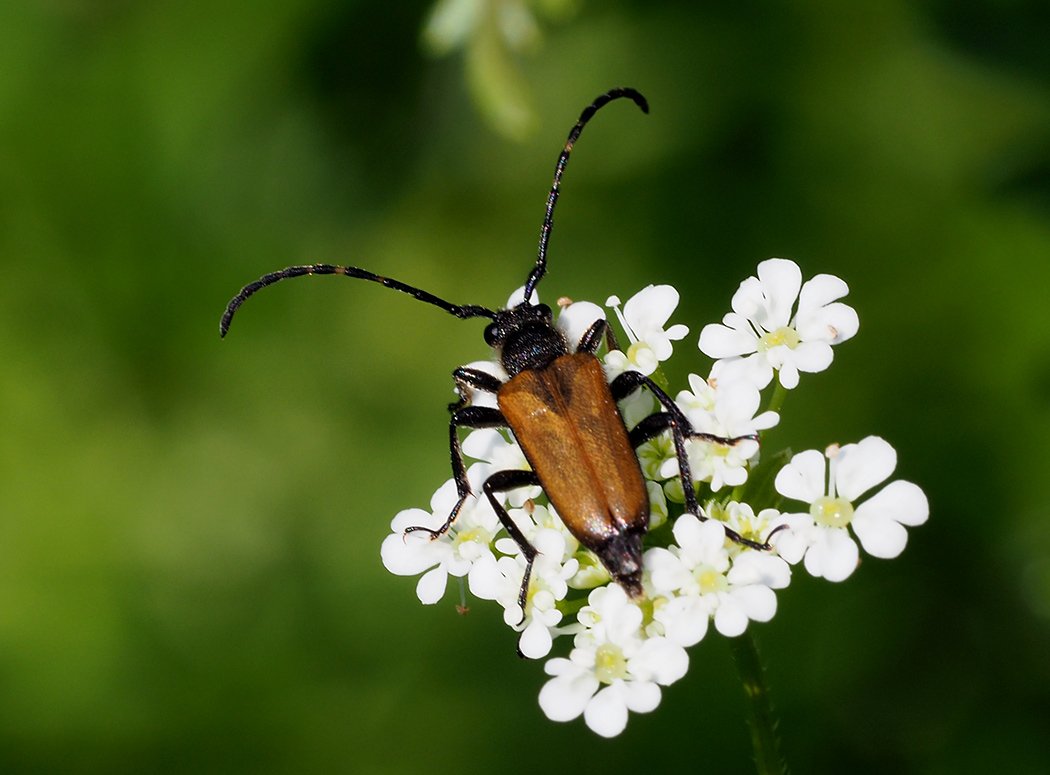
x: 542, y: 311
x: 493, y: 335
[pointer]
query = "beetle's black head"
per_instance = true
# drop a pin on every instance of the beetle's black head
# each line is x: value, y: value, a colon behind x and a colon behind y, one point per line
x: 525, y: 337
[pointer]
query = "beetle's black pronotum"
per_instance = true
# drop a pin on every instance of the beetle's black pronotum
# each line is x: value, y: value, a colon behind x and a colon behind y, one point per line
x: 558, y: 405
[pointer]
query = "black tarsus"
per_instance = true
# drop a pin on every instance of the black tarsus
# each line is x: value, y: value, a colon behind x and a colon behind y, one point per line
x: 563, y: 159
x: 461, y: 311
x: 472, y: 417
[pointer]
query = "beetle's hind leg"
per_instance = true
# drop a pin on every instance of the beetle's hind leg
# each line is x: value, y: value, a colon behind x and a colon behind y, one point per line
x: 674, y: 419
x: 465, y: 416
x: 502, y: 481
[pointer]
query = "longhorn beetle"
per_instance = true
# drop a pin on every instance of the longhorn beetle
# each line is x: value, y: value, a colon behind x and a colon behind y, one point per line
x: 560, y: 408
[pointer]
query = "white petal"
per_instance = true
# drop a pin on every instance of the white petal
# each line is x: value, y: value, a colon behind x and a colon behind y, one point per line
x: 736, y: 402
x: 833, y: 556
x: 685, y: 620
x: 861, y: 466
x: 484, y: 579
x: 788, y: 375
x: 749, y: 300
x: 431, y: 586
x: 880, y: 537
x: 718, y: 341
x: 781, y: 280
x: 409, y: 517
x: 812, y: 357
x: 792, y: 542
x: 407, y: 555
x: 641, y: 696
x: 687, y: 530
x: 755, y: 369
x: 483, y: 444
x: 878, y: 522
x: 757, y: 601
x: 900, y: 501
x: 803, y: 478
x: 766, y: 420
x: 820, y: 290
x: 659, y: 660
x: 565, y: 697
x: 666, y: 571
x: 834, y: 323
x: 650, y: 307
x: 519, y: 295
x: 606, y: 713
x: 677, y: 332
x: 535, y: 641
x: 730, y: 619
x: 753, y: 567
x: 575, y: 320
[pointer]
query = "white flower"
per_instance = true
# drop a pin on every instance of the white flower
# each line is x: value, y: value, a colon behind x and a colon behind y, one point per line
x: 643, y: 319
x: 496, y: 453
x: 701, y: 579
x: 453, y: 553
x: 726, y: 410
x: 761, y: 335
x: 575, y: 319
x: 741, y: 518
x: 500, y: 580
x: 822, y: 535
x: 613, y: 668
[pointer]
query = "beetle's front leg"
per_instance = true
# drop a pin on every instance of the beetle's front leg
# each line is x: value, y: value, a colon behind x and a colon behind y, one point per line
x: 465, y: 416
x: 589, y: 341
x: 467, y: 379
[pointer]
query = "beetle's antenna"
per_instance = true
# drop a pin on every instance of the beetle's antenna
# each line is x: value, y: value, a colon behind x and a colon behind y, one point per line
x: 552, y: 198
x: 459, y: 310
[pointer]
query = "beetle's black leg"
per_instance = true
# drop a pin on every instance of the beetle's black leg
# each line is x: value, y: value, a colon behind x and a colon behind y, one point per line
x: 467, y: 379
x: 589, y: 341
x: 681, y: 429
x: 501, y: 481
x: 462, y: 417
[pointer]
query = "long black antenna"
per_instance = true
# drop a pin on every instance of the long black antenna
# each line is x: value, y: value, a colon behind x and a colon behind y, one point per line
x: 459, y: 310
x: 563, y: 159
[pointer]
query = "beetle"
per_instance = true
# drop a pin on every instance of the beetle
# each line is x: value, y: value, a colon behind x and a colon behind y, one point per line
x: 559, y: 406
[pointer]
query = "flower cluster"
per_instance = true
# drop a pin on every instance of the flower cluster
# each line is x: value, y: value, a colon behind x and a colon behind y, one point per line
x: 719, y: 567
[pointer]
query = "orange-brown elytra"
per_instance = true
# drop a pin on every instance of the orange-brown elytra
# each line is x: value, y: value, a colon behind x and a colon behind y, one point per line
x: 567, y: 423
x: 558, y: 405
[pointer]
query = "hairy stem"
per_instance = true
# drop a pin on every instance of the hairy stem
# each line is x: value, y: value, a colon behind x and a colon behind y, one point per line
x: 762, y: 722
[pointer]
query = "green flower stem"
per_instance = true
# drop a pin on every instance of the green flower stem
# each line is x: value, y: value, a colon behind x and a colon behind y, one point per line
x: 762, y: 722
x: 779, y: 394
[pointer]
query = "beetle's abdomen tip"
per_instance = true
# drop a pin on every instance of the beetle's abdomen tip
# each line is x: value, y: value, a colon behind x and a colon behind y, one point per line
x: 632, y: 585
x: 622, y: 556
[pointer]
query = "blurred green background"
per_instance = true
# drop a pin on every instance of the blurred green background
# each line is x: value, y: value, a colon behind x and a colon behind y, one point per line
x: 190, y: 528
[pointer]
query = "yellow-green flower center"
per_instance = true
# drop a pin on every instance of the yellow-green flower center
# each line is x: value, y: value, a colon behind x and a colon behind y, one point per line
x: 709, y: 580
x: 785, y: 335
x: 609, y: 663
x: 476, y: 534
x: 831, y: 512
